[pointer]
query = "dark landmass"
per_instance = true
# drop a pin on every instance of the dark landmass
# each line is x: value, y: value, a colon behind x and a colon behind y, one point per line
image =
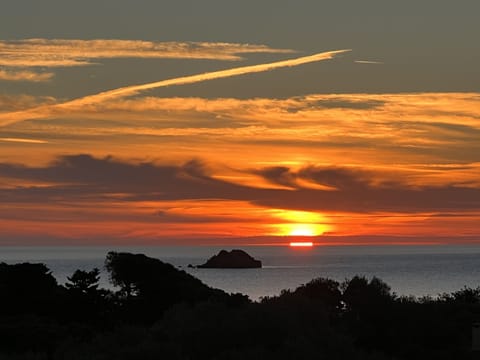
x: 160, y: 312
x: 234, y: 259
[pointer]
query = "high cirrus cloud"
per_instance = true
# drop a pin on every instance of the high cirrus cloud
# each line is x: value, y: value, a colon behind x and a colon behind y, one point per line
x: 65, y: 53
x: 18, y: 102
x: 25, y: 75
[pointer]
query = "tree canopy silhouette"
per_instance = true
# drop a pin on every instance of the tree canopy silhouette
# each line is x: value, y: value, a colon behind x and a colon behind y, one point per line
x: 27, y: 288
x: 160, y: 311
x: 150, y: 286
x: 85, y: 282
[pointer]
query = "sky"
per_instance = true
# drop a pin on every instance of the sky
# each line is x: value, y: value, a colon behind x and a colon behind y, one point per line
x: 227, y: 122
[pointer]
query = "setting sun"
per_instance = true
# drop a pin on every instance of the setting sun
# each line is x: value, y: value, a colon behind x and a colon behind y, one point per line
x: 300, y: 223
x: 300, y: 229
x: 303, y: 230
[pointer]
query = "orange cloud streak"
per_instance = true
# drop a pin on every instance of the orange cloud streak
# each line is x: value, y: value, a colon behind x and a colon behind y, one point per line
x: 65, y: 53
x: 25, y: 75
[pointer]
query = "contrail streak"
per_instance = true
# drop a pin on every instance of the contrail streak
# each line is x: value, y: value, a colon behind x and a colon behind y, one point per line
x: 368, y: 62
x: 47, y: 110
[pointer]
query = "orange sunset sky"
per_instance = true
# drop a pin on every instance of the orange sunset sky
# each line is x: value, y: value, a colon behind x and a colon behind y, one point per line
x: 239, y: 124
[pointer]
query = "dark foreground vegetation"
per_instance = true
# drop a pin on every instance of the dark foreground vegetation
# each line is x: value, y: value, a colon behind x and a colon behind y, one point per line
x: 160, y: 312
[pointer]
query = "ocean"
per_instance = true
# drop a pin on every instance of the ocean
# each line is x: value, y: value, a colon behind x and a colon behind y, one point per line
x: 409, y: 270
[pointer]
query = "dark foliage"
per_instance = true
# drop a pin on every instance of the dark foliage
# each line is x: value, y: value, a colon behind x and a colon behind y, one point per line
x: 27, y: 288
x: 149, y: 286
x: 160, y: 312
x: 84, y: 282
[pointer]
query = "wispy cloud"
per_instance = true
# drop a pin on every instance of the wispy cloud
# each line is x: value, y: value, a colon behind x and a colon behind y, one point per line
x: 44, y: 111
x: 61, y: 52
x: 26, y: 141
x: 403, y: 129
x: 25, y: 75
x: 21, y: 102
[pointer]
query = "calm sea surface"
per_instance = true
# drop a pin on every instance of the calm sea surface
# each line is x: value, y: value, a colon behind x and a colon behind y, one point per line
x: 409, y: 270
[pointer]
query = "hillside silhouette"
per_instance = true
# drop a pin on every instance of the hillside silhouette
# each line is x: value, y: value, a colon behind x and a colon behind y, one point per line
x: 160, y: 312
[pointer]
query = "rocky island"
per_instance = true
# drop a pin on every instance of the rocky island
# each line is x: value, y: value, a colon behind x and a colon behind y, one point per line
x: 235, y: 259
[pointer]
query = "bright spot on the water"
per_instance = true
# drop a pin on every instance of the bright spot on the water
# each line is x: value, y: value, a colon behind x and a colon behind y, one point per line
x: 302, y: 244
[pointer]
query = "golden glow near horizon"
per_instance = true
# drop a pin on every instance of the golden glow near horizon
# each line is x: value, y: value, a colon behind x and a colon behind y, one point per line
x: 303, y: 230
x: 299, y: 229
x: 300, y: 223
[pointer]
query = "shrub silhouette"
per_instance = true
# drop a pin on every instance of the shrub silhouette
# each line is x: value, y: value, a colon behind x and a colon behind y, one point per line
x: 465, y: 295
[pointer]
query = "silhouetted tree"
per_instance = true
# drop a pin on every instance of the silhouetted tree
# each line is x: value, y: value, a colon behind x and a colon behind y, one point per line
x: 368, y: 311
x: 361, y: 295
x: 86, y: 303
x: 325, y: 291
x: 85, y: 282
x: 31, y: 303
x: 150, y: 286
x: 27, y: 288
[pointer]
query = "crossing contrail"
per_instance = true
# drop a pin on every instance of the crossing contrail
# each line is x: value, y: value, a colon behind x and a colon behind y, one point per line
x: 46, y: 110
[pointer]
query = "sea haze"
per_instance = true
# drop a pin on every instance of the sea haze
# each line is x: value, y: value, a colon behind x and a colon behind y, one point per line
x: 409, y: 270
